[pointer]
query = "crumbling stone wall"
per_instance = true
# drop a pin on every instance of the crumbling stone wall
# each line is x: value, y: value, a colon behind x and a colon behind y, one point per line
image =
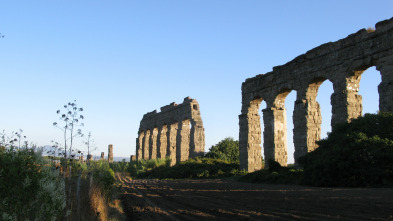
x: 176, y: 132
x: 341, y: 62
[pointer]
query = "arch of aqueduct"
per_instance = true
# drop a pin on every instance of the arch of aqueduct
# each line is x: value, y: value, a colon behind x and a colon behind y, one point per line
x: 176, y: 132
x: 341, y: 62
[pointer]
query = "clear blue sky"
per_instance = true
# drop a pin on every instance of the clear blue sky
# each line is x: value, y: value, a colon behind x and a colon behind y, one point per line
x: 121, y: 59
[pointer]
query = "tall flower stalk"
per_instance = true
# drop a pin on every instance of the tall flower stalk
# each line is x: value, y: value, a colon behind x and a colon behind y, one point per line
x: 70, y: 122
x: 90, y: 145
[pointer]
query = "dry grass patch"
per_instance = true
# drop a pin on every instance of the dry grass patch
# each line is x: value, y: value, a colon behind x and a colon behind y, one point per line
x: 98, y: 202
x: 105, y: 207
x: 370, y: 29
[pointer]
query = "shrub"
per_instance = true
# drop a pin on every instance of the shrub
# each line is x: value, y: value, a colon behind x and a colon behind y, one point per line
x: 119, y: 166
x: 275, y: 174
x: 141, y: 166
x: 359, y: 153
x: 274, y: 165
x: 29, y: 188
x: 77, y: 167
x: 102, y: 173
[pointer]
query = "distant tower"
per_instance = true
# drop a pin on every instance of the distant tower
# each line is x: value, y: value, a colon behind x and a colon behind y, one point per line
x: 110, y: 153
x: 102, y: 156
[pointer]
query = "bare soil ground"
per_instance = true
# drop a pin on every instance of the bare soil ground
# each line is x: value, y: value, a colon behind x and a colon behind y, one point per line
x: 227, y: 199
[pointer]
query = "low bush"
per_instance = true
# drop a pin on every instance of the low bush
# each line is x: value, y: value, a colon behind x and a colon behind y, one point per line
x: 275, y: 174
x: 102, y: 173
x: 142, y: 166
x: 119, y: 166
x: 195, y: 168
x: 359, y: 153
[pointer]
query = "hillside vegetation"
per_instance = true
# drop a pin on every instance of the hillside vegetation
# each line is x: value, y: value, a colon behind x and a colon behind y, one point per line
x: 355, y: 154
x: 359, y: 153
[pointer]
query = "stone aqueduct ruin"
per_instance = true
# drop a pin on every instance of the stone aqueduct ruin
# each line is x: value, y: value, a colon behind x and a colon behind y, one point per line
x: 341, y: 62
x: 176, y: 132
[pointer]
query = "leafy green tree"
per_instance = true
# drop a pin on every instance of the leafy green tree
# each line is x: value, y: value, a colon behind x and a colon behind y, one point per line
x: 227, y: 149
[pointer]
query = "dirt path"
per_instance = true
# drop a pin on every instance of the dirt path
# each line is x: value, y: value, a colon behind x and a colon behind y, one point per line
x: 231, y: 200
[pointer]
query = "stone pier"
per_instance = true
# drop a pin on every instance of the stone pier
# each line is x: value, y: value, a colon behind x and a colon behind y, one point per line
x: 110, y: 153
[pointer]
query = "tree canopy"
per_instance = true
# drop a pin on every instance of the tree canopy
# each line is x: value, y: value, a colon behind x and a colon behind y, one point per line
x: 227, y: 149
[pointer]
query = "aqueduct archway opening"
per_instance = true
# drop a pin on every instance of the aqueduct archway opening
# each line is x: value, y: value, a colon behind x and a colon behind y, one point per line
x: 342, y: 63
x: 368, y: 88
